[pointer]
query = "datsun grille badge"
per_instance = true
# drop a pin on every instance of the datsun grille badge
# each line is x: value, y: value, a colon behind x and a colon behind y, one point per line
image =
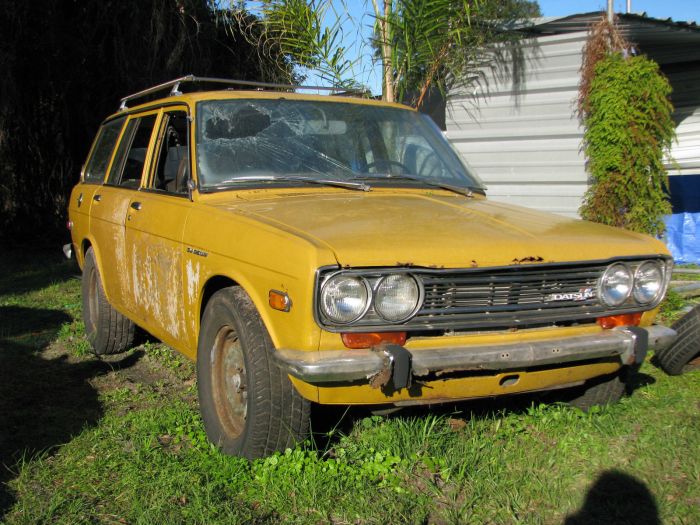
x: 582, y: 295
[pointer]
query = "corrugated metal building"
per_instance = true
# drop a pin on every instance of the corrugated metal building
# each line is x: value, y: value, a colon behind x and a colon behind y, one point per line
x: 517, y: 126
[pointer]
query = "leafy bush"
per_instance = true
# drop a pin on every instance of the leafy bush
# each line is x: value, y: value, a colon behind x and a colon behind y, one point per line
x: 628, y: 128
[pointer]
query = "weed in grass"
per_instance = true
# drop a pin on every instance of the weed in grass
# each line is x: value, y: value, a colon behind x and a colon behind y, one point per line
x: 72, y: 336
x: 169, y: 359
x: 672, y: 307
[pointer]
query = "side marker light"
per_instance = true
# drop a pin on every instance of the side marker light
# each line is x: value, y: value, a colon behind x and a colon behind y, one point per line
x: 279, y: 301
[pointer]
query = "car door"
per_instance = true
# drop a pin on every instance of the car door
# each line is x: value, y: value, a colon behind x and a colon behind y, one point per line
x: 110, y: 206
x: 154, y: 227
x: 92, y: 177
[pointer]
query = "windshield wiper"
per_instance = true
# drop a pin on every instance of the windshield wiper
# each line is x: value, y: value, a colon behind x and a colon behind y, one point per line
x: 467, y: 192
x: 358, y: 186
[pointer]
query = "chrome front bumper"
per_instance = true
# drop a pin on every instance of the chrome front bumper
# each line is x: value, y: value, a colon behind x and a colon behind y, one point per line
x: 629, y: 344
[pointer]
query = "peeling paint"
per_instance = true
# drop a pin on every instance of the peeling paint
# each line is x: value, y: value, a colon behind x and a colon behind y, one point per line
x: 192, y: 270
x: 157, y: 285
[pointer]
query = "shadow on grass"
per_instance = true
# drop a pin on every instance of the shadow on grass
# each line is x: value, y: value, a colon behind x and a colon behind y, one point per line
x: 619, y: 498
x: 43, y: 402
x: 330, y: 422
x: 29, y: 269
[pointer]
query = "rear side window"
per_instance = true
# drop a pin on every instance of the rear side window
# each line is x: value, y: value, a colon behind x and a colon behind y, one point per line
x: 130, y: 159
x: 96, y: 166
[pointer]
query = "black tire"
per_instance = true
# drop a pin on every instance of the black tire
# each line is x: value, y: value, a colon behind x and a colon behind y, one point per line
x: 684, y: 354
x: 108, y: 331
x: 249, y: 406
x: 604, y: 390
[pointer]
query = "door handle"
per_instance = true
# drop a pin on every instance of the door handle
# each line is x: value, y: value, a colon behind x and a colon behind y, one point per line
x: 136, y: 205
x: 97, y: 197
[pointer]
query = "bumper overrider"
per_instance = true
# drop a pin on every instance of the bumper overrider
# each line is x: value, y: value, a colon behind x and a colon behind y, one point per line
x: 394, y: 364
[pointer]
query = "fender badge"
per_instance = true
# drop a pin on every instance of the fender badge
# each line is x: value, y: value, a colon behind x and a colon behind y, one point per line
x: 196, y: 252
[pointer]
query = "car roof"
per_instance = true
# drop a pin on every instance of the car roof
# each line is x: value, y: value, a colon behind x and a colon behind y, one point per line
x: 262, y: 91
x: 189, y: 98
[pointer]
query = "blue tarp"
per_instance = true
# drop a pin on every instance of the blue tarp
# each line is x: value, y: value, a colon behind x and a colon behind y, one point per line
x: 683, y: 237
x: 683, y: 227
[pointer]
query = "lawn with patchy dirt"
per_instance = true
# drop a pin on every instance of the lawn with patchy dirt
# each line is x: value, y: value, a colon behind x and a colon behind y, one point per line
x: 119, y: 440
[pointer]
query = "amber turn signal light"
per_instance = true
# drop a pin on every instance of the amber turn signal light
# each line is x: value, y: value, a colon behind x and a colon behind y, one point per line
x: 371, y: 339
x: 279, y: 300
x: 620, y: 320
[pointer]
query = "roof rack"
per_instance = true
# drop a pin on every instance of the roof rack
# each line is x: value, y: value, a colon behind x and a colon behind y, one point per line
x: 174, y: 86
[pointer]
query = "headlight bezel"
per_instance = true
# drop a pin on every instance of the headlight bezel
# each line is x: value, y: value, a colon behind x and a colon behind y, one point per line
x: 663, y: 264
x: 601, y: 293
x: 414, y: 309
x: 658, y: 265
x: 368, y: 301
x: 370, y: 316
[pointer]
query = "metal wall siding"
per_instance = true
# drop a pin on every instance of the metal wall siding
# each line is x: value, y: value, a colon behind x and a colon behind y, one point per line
x: 686, y: 99
x: 524, y: 141
x: 686, y: 152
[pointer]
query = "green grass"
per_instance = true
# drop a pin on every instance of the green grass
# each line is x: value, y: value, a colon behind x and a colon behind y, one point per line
x: 120, y: 440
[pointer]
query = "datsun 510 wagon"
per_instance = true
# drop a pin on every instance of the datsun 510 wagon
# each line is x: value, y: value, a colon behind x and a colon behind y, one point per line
x: 336, y: 250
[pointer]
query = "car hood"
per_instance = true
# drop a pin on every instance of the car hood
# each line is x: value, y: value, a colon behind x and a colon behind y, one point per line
x: 435, y: 229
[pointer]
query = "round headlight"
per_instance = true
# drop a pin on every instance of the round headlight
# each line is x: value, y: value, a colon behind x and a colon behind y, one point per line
x: 344, y: 298
x: 648, y: 281
x: 616, y: 285
x: 396, y: 297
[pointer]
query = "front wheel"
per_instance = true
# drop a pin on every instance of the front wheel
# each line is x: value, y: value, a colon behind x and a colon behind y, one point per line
x: 249, y: 406
x: 599, y: 391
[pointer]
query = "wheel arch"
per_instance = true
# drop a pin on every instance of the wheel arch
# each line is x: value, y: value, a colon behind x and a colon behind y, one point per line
x: 85, y: 245
x: 211, y: 286
x: 219, y: 281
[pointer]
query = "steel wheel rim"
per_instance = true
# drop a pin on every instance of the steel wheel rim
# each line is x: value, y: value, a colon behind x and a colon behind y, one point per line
x: 229, y: 381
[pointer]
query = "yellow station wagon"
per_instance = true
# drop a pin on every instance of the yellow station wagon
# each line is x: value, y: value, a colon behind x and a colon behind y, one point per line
x: 336, y: 250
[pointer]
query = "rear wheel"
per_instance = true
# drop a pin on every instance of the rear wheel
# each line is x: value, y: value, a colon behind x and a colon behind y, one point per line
x: 108, y: 331
x: 684, y: 354
x: 249, y: 406
x: 604, y: 390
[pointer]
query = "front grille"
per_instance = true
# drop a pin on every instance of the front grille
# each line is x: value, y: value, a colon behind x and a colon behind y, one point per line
x: 498, y: 298
x: 509, y: 297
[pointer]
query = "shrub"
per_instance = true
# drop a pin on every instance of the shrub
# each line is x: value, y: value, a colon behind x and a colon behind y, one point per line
x: 626, y: 113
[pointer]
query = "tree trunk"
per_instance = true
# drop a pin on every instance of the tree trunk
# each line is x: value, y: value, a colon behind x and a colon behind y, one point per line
x: 388, y: 85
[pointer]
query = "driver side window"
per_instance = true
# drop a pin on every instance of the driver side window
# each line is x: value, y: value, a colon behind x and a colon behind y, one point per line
x: 173, y: 167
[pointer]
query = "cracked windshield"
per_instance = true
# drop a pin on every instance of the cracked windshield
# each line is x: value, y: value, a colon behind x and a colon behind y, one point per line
x: 250, y: 142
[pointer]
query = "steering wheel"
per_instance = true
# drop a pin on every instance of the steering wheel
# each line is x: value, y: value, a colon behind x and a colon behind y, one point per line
x: 388, y: 162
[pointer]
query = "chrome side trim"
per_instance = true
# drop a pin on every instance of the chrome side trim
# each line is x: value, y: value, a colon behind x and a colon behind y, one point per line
x: 355, y: 365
